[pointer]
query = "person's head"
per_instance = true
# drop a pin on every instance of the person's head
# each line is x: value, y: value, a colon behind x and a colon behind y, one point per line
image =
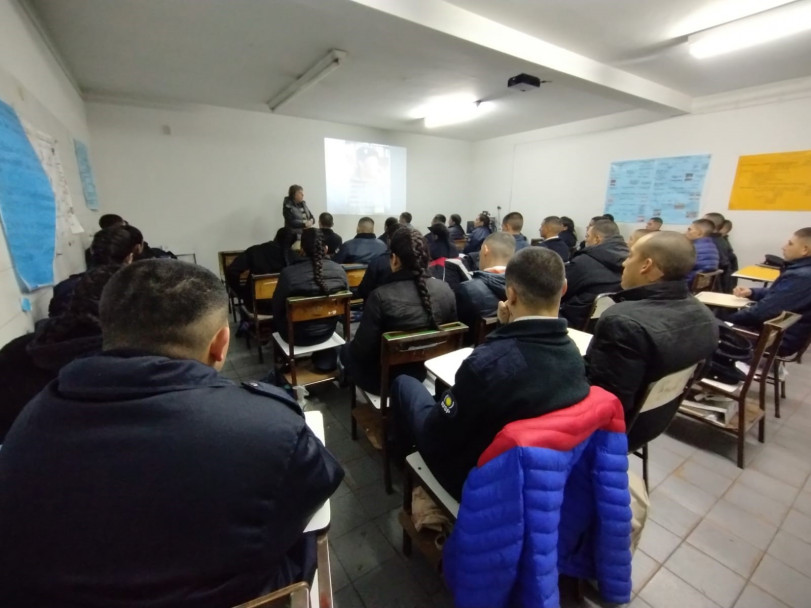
x: 513, y: 223
x: 726, y: 227
x: 661, y: 255
x: 497, y: 250
x: 483, y: 219
x: 313, y: 246
x: 112, y: 246
x: 638, y: 234
x: 798, y: 246
x: 715, y: 218
x: 596, y: 218
x: 167, y: 307
x: 325, y: 220
x: 551, y: 226
x: 439, y: 218
x: 699, y: 229
x: 366, y: 225
x: 136, y: 240
x: 409, y: 252
x: 536, y: 281
x: 600, y: 231
x: 568, y: 223
x: 111, y: 220
x: 439, y: 242
x: 391, y: 228
x: 608, y: 216
x: 295, y: 193
x: 285, y: 237
x: 405, y: 217
x: 456, y: 219
x: 654, y: 224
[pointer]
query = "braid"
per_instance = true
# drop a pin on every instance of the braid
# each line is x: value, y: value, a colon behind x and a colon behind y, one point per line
x: 417, y: 267
x: 318, y: 262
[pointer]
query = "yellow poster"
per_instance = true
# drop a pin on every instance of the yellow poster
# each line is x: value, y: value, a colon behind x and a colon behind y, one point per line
x: 773, y: 182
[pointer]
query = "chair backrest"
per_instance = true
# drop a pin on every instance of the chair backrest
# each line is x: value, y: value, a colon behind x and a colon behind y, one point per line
x: 705, y: 281
x: 292, y: 596
x: 768, y: 342
x: 264, y: 286
x: 225, y: 258
x: 304, y: 308
x: 354, y: 273
x: 483, y: 328
x: 460, y: 244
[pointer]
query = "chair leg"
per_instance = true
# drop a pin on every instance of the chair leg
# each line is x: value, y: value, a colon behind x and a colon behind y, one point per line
x: 741, y: 432
x: 775, y: 374
x: 408, y: 489
x: 353, y: 403
x: 386, y: 457
x: 783, y: 389
x: 259, y: 347
x: 645, y: 466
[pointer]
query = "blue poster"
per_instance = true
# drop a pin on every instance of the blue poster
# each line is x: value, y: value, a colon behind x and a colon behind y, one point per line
x: 669, y: 188
x: 91, y: 199
x: 27, y: 205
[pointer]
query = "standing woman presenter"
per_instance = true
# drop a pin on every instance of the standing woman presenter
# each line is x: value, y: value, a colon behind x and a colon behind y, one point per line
x: 297, y: 215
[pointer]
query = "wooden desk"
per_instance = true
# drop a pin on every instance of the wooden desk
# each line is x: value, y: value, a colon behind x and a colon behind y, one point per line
x: 321, y: 519
x: 354, y: 273
x: 764, y: 274
x: 722, y: 300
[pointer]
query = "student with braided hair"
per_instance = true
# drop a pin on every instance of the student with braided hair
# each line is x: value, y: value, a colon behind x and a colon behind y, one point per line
x: 311, y: 275
x: 409, y: 300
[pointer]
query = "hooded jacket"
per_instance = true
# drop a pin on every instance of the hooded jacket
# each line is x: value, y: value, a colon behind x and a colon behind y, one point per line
x: 594, y: 270
x: 360, y: 250
x: 479, y: 297
x: 295, y: 215
x: 557, y: 244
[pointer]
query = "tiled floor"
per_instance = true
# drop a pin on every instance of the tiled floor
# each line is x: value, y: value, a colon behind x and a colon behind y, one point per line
x: 716, y: 536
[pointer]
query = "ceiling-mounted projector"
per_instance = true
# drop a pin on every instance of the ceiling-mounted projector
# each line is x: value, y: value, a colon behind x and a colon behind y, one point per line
x: 524, y: 82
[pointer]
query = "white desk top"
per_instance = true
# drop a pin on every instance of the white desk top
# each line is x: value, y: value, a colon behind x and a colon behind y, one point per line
x: 581, y: 339
x: 722, y: 300
x: 321, y: 519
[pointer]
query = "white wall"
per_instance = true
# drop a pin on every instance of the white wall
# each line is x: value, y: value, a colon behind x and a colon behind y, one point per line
x: 568, y: 175
x: 217, y: 181
x: 34, y: 85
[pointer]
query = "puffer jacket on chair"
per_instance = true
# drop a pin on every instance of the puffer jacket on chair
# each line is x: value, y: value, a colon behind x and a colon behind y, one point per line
x: 549, y: 496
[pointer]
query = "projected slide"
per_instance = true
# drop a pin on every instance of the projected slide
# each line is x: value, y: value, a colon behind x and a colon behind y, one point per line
x: 364, y: 178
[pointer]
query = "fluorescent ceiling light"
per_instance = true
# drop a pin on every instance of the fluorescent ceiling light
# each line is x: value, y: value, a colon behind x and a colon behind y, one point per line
x: 774, y: 24
x: 320, y: 70
x: 451, y: 110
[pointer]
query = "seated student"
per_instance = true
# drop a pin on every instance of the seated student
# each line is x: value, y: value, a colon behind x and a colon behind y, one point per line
x: 110, y: 246
x: 142, y: 250
x: 791, y: 291
x: 445, y: 264
x: 551, y: 228
x: 142, y: 477
x: 724, y: 250
x: 364, y: 247
x: 409, y: 300
x: 568, y: 234
x: 726, y: 228
x: 479, y: 297
x: 455, y: 227
x: 266, y: 258
x: 108, y: 220
x: 582, y: 244
x: 500, y: 381
x: 379, y: 269
x: 512, y: 224
x: 439, y: 218
x: 638, y: 234
x: 390, y: 221
x: 405, y: 220
x: 481, y: 230
x: 30, y: 362
x: 654, y: 224
x: 313, y: 275
x: 332, y: 240
x: 656, y: 327
x: 706, y: 252
x: 594, y: 270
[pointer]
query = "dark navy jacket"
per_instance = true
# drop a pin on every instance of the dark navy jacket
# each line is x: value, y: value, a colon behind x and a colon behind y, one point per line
x: 791, y: 291
x: 360, y: 250
x: 557, y: 245
x: 520, y: 242
x: 706, y: 257
x: 476, y: 239
x: 138, y: 480
x: 479, y: 297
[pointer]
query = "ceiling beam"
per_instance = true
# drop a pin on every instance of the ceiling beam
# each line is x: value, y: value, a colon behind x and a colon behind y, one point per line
x: 455, y: 21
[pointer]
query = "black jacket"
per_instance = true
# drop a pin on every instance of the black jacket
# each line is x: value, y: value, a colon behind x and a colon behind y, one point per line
x: 652, y: 331
x: 137, y: 480
x: 456, y: 232
x: 360, y: 250
x: 298, y: 280
x: 479, y: 297
x: 544, y: 372
x: 477, y: 238
x: 295, y: 215
x: 331, y: 240
x: 558, y: 245
x: 568, y: 238
x: 377, y: 272
x: 265, y: 258
x: 62, y: 294
x: 594, y: 270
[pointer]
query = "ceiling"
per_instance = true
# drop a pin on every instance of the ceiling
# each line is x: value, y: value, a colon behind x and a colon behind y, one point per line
x: 602, y: 57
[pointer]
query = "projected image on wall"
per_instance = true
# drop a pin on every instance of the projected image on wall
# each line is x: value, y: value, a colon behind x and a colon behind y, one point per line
x: 364, y: 178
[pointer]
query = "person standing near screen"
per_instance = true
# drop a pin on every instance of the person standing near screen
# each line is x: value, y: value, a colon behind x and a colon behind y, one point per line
x: 297, y: 215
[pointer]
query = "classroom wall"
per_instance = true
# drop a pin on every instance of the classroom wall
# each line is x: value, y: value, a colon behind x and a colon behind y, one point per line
x: 542, y: 176
x: 32, y: 82
x: 204, y: 179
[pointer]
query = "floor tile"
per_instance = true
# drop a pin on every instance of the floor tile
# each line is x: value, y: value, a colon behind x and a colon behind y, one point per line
x: 674, y: 445
x: 657, y: 542
x: 792, y: 551
x: 702, y: 477
x: 340, y: 579
x: 783, y: 582
x: 773, y: 488
x: 376, y: 501
x: 390, y: 527
x: 362, y: 550
x: 672, y: 515
x: 717, y: 582
x: 745, y: 525
x: 346, y: 514
x: 347, y: 598
x: 717, y: 464
x: 643, y: 567
x: 727, y: 548
x: 666, y: 590
x: 638, y: 602
x: 686, y: 494
x: 779, y: 463
x: 798, y: 524
x: 757, y: 502
x: 362, y: 472
x: 754, y: 597
x: 390, y: 585
x: 344, y: 449
x: 803, y: 503
x: 663, y: 458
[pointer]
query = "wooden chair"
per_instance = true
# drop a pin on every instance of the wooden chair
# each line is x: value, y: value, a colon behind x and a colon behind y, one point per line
x: 300, y: 309
x: 263, y: 287
x: 398, y: 348
x: 224, y: 258
x: 460, y: 244
x: 601, y: 303
x: 292, y: 596
x: 659, y: 405
x: 705, y: 281
x: 355, y: 274
x: 780, y: 383
x: 483, y: 328
x: 750, y: 411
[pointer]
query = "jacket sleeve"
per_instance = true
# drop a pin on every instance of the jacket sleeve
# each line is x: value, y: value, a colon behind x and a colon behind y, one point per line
x: 575, y: 276
x: 279, y: 303
x: 616, y: 359
x: 342, y: 253
x: 291, y: 219
x: 475, y: 242
x: 787, y: 293
x: 234, y: 270
x: 369, y: 282
x: 365, y: 345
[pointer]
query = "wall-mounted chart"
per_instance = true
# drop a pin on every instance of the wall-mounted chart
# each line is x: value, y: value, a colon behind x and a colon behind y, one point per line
x: 773, y: 182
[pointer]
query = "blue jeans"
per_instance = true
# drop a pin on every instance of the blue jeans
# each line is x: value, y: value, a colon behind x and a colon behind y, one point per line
x: 412, y: 407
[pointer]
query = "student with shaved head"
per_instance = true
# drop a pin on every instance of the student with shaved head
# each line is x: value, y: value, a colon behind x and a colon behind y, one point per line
x: 513, y: 223
x: 364, y: 247
x: 551, y: 227
x: 791, y: 291
x: 700, y: 232
x: 656, y: 327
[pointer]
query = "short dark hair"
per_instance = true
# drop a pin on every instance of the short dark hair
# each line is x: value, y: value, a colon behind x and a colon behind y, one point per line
x: 285, y: 237
x: 656, y: 219
x: 439, y: 218
x: 716, y: 218
x: 608, y: 216
x: 391, y: 221
x: 605, y: 227
x: 502, y: 244
x: 291, y: 191
x: 803, y: 233
x: 162, y: 306
x: 326, y: 220
x: 553, y: 219
x: 405, y: 215
x: 111, y: 246
x: 672, y: 252
x: 514, y: 220
x: 110, y: 219
x: 727, y: 224
x: 367, y: 224
x: 136, y: 236
x: 707, y: 227
x: 537, y: 276
x: 456, y: 219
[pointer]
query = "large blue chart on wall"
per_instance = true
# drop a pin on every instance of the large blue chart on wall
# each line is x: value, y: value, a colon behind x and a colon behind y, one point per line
x: 27, y: 204
x: 669, y: 188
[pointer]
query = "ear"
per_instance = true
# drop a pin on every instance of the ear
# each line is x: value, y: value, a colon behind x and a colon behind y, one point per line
x: 129, y: 258
x: 512, y: 296
x: 394, y: 263
x: 647, y: 266
x: 218, y: 347
x: 565, y: 287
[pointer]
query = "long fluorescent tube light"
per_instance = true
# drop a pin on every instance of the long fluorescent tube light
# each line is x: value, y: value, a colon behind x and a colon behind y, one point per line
x: 320, y: 70
x: 773, y: 24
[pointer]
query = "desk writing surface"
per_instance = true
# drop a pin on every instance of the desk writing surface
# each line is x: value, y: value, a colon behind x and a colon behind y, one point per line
x: 321, y: 519
x: 722, y: 300
x: 757, y: 273
x: 581, y: 339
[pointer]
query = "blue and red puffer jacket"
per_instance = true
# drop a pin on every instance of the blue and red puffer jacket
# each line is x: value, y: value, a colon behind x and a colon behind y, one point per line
x: 549, y: 496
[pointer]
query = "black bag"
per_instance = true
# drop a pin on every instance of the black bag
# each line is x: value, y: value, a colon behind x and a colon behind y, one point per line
x: 732, y: 347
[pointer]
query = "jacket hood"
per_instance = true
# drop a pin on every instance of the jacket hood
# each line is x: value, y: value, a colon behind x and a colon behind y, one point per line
x: 55, y: 355
x: 497, y: 283
x: 611, y: 253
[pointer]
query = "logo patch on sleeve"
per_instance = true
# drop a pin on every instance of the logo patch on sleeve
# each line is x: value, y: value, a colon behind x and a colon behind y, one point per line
x: 448, y: 404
